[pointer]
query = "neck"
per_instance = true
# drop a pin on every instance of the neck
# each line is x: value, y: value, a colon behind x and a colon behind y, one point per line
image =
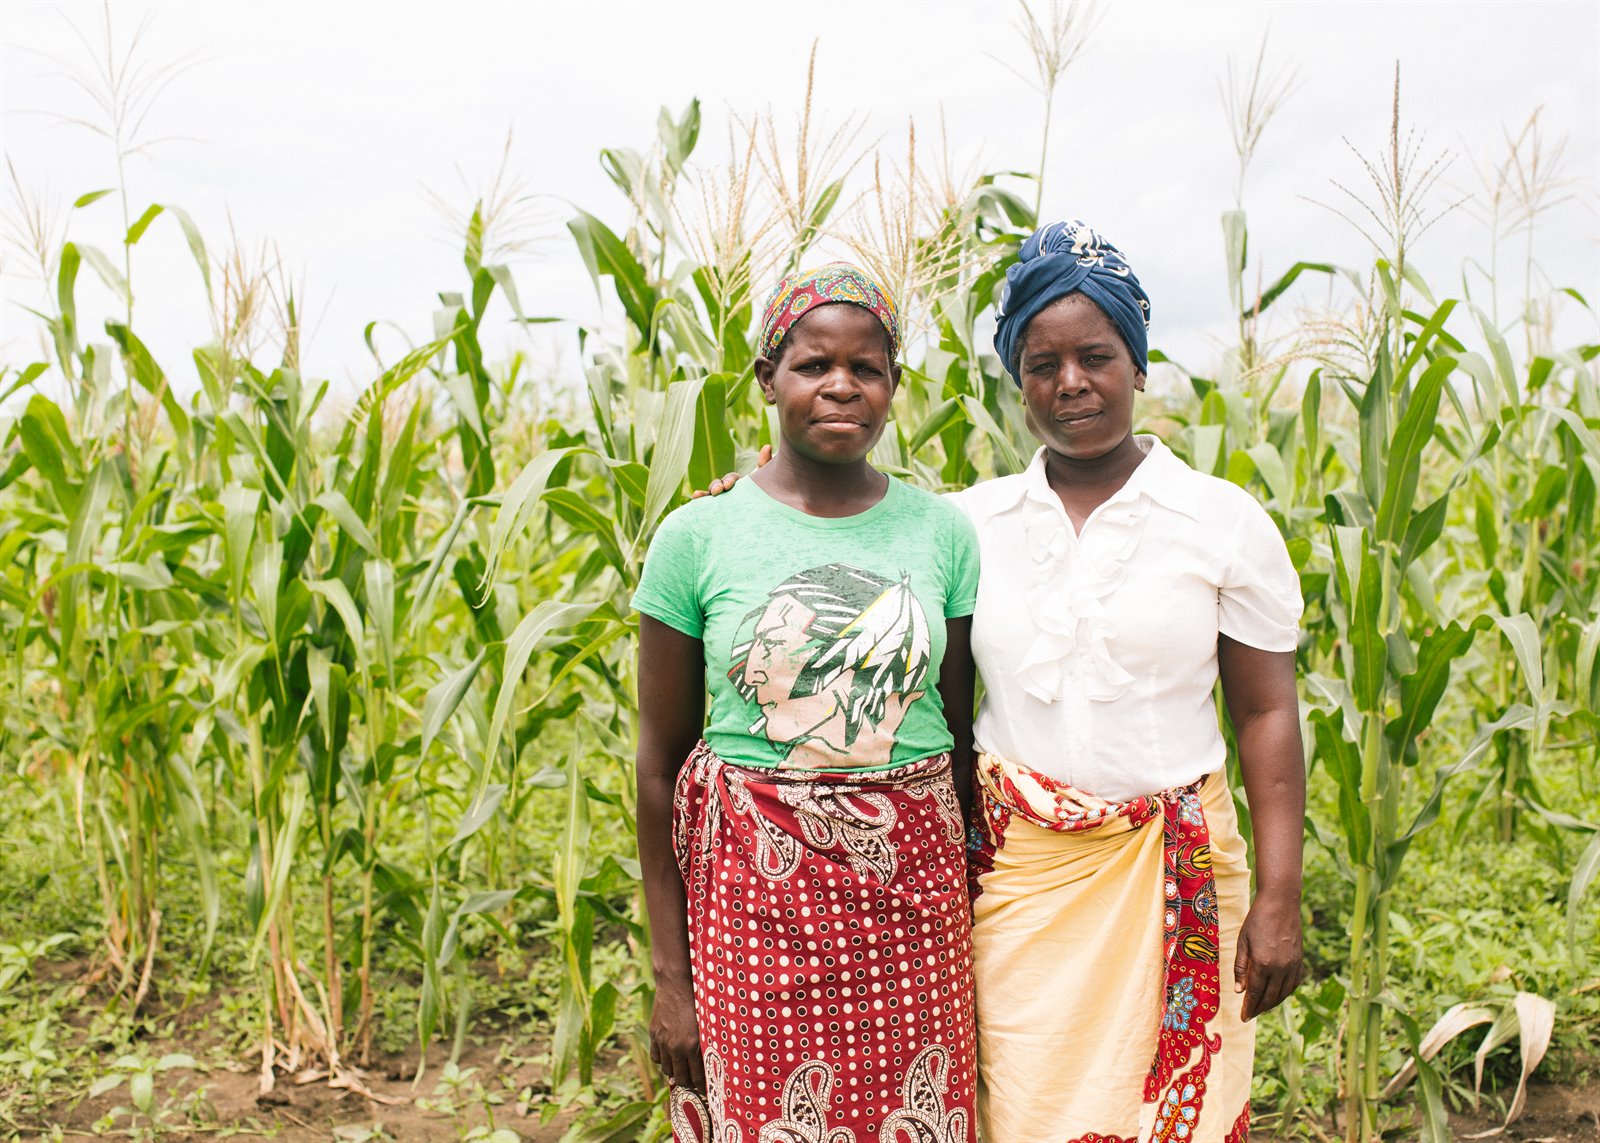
x: 821, y: 489
x: 1109, y: 470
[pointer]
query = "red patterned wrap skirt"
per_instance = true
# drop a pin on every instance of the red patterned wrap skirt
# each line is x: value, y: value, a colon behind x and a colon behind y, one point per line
x: 830, y: 945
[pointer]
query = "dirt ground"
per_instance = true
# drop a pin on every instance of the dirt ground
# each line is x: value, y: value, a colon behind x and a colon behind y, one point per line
x: 222, y: 1100
x: 315, y: 1113
x: 307, y: 1109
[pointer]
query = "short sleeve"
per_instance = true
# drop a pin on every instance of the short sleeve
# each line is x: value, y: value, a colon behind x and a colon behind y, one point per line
x: 1259, y: 600
x: 669, y: 585
x: 962, y: 598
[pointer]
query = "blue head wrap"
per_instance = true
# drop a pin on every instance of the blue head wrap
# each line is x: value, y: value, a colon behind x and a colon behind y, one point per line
x: 1069, y: 258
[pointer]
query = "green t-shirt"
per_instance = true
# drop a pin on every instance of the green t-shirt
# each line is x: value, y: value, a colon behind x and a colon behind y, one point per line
x: 823, y: 637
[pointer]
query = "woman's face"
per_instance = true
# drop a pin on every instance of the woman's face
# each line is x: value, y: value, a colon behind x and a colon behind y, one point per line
x: 1078, y: 379
x: 832, y: 383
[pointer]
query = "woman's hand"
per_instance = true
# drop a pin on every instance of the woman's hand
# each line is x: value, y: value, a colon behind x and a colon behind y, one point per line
x: 674, y: 1035
x: 1268, y: 964
x: 720, y: 485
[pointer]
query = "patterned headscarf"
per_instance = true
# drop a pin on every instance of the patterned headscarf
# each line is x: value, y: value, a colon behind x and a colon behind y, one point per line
x: 1069, y: 258
x: 795, y: 296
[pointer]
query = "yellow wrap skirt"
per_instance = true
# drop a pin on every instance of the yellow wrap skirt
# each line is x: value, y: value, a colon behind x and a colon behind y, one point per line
x: 1103, y: 944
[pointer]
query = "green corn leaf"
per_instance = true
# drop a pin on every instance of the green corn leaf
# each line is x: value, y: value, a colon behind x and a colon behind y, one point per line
x: 143, y: 369
x: 673, y: 448
x: 1273, y: 292
x: 1505, y: 372
x: 483, y: 901
x: 1264, y: 460
x: 349, y: 521
x: 1404, y: 465
x: 712, y: 455
x: 1587, y: 667
x: 517, y: 507
x: 478, y: 813
x: 1583, y: 876
x: 423, y: 599
x: 587, y: 517
x: 266, y: 572
x: 572, y: 855
x: 49, y: 446
x: 979, y: 416
x: 82, y: 535
x: 141, y: 224
x: 1421, y: 690
x: 1517, y: 717
x: 337, y: 596
x: 239, y: 507
x: 443, y: 698
x: 632, y: 477
x: 1375, y: 432
x: 548, y: 617
x: 187, y: 807
x: 1523, y: 636
x: 1235, y: 247
x: 944, y: 414
x: 379, y: 576
x: 108, y: 273
x: 1432, y: 329
x: 1423, y: 530
x: 1343, y: 760
x: 606, y: 255
x: 284, y: 846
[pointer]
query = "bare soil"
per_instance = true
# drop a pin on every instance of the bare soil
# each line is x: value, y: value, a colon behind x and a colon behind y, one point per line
x: 312, y: 1112
x: 1554, y: 1114
x: 223, y: 1099
x: 308, y: 1110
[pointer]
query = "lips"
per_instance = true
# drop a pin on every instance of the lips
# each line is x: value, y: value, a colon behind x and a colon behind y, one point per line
x: 1077, y: 419
x: 839, y: 423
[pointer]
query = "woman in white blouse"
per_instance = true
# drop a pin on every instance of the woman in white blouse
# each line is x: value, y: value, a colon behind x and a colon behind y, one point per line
x: 1117, y: 586
x: 1111, y: 893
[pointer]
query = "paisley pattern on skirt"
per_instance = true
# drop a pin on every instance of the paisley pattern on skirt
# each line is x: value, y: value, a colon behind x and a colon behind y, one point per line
x: 829, y: 940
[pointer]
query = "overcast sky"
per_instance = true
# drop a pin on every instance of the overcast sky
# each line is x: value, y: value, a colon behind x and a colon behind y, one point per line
x: 321, y: 127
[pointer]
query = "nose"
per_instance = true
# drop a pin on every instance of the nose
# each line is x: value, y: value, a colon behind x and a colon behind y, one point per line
x: 839, y: 383
x: 1071, y: 380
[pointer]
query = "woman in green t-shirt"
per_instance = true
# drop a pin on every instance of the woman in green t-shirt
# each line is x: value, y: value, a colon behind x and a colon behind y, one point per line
x: 801, y: 841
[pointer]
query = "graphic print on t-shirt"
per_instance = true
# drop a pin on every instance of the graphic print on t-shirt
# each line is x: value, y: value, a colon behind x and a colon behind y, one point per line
x: 833, y: 658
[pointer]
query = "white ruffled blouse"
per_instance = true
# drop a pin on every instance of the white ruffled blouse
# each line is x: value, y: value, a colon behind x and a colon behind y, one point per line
x: 1098, y: 650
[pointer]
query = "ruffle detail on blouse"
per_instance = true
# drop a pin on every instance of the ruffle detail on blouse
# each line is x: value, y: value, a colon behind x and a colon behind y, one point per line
x: 1068, y: 590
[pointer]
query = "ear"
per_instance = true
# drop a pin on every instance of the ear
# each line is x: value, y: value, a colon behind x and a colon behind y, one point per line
x: 1138, y: 383
x: 894, y: 378
x: 766, y: 370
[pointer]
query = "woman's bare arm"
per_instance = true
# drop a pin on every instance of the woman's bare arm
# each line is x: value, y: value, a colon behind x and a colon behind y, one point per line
x: 672, y: 701
x: 1259, y: 689
x: 956, y: 675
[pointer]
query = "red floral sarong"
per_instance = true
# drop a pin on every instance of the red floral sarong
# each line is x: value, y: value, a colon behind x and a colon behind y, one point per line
x: 1186, y: 1042
x: 830, y: 945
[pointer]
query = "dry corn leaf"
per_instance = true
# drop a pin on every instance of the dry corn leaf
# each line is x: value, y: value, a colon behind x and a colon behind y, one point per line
x: 1537, y: 1017
x: 1455, y: 1021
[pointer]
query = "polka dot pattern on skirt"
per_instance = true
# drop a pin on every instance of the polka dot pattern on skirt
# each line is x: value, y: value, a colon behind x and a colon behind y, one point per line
x: 831, y: 950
